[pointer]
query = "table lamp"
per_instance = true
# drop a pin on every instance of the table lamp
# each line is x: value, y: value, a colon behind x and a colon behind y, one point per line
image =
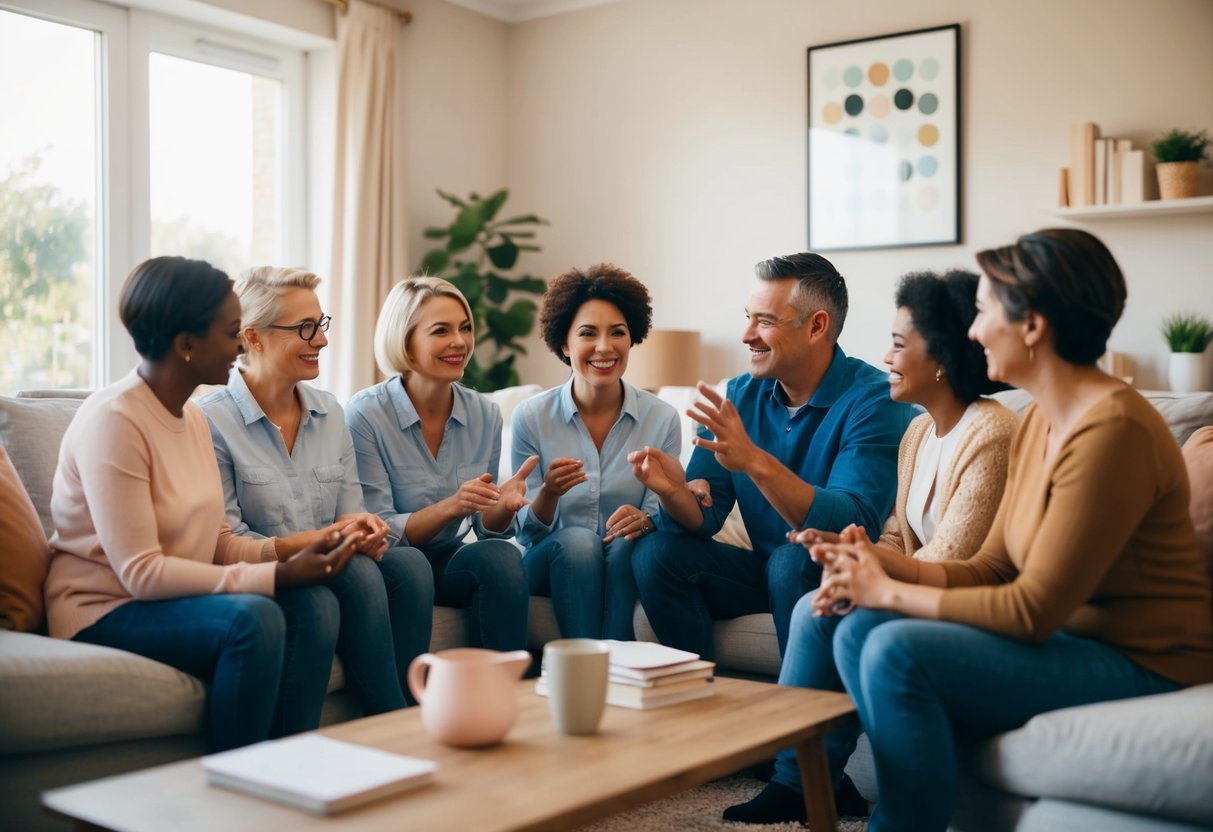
x: 666, y: 358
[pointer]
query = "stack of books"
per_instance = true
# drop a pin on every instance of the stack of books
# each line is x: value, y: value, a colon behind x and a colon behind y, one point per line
x: 1102, y: 171
x: 647, y: 675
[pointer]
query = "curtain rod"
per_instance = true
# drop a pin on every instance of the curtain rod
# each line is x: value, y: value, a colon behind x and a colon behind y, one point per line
x: 405, y: 17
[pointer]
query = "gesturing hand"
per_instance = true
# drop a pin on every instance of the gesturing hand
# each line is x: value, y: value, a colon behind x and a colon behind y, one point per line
x: 478, y: 494
x: 627, y: 522
x: 317, y: 562
x: 563, y: 474
x: 853, y: 576
x: 660, y: 472
x: 731, y: 444
x: 513, y: 490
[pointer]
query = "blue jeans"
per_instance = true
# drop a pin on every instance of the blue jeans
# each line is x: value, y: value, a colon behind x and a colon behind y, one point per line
x: 919, y: 686
x: 386, y: 617
x: 267, y: 660
x: 687, y: 583
x: 592, y: 588
x: 486, y: 577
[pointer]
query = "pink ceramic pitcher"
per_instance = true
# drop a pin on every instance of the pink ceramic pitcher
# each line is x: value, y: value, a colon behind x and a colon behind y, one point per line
x: 468, y: 697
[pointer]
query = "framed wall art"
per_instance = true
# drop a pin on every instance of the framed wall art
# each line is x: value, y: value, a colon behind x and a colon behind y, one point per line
x: 884, y: 141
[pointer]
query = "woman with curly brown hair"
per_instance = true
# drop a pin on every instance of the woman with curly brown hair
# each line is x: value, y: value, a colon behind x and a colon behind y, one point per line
x: 586, y: 510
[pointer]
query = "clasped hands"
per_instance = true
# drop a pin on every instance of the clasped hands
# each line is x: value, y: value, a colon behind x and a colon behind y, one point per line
x: 852, y: 575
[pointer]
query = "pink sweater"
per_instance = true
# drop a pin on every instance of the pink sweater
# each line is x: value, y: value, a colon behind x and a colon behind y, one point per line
x: 138, y: 512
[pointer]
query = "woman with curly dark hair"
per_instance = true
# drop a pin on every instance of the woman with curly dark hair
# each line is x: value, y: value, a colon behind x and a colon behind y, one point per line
x: 586, y: 509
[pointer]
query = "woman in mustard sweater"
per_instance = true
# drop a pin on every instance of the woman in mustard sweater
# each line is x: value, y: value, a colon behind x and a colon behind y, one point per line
x: 1089, y: 586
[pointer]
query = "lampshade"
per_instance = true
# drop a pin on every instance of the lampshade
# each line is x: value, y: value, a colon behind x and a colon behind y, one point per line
x: 667, y: 357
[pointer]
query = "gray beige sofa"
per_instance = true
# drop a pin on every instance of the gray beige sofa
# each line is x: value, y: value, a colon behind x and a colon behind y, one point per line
x: 73, y: 712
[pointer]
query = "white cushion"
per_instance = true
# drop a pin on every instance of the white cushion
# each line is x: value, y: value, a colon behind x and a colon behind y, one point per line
x: 1152, y: 755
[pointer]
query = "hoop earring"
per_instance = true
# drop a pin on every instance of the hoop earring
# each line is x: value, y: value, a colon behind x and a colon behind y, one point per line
x: 939, y: 373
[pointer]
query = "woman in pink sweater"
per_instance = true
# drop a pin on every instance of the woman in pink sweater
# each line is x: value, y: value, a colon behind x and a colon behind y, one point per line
x: 143, y: 560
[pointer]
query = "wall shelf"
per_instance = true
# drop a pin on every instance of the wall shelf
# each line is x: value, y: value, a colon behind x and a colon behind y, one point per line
x: 1150, y: 208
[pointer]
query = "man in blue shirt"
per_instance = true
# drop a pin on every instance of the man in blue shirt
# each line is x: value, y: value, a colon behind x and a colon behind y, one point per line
x: 807, y: 438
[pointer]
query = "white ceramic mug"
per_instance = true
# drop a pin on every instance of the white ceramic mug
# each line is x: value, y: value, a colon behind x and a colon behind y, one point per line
x: 576, y: 670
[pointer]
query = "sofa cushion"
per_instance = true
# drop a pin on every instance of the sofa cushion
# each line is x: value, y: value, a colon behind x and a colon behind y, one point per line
x: 1151, y: 755
x: 1198, y: 454
x: 32, y: 430
x: 24, y: 553
x: 63, y: 694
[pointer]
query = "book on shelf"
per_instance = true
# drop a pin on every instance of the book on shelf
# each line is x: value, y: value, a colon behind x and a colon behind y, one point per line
x: 1082, y: 163
x: 1133, y: 177
x: 644, y: 697
x: 1101, y: 172
x: 316, y: 773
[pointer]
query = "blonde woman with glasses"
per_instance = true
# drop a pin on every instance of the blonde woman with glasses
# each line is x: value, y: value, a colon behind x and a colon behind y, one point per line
x: 428, y: 449
x: 288, y: 470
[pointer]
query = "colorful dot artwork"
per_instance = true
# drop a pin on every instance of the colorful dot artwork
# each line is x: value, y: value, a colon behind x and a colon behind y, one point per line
x: 882, y: 117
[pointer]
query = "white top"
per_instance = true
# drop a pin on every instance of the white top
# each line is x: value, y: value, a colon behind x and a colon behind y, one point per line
x: 930, y: 467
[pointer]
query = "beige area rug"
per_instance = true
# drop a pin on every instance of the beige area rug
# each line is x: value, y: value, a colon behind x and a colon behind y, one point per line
x: 698, y: 810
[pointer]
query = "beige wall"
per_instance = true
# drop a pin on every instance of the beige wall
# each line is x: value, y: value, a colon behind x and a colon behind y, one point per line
x: 669, y: 137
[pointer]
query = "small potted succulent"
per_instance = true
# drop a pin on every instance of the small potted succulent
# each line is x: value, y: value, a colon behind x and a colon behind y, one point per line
x: 1179, y: 154
x: 1188, y: 335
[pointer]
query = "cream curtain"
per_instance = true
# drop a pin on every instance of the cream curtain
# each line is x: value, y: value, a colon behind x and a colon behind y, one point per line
x: 369, y: 222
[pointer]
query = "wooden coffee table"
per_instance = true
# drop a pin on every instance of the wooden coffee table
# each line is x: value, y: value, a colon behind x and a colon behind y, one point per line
x: 536, y: 779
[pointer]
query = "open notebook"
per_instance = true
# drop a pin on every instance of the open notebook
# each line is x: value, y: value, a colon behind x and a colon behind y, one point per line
x: 316, y: 773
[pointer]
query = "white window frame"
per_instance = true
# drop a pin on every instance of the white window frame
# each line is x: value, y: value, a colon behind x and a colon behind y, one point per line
x: 123, y: 225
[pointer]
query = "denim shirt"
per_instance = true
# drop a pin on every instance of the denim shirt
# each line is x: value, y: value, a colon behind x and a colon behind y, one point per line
x: 270, y: 492
x: 399, y: 474
x: 843, y: 442
x: 550, y: 426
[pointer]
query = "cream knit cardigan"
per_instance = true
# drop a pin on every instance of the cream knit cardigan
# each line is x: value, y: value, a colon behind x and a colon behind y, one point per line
x: 972, y: 487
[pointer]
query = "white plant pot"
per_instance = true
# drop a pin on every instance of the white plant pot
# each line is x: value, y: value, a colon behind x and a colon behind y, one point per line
x: 1187, y: 372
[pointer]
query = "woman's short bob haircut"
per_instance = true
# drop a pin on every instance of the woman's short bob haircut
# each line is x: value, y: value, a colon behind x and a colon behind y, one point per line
x: 568, y: 292
x: 166, y: 296
x: 261, y: 291
x: 942, y: 308
x: 1067, y: 276
x: 397, y: 319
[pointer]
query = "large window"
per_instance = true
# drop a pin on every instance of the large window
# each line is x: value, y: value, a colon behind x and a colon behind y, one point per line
x: 124, y: 135
x: 49, y: 78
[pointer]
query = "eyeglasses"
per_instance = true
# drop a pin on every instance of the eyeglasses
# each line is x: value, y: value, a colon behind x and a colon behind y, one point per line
x: 307, y: 329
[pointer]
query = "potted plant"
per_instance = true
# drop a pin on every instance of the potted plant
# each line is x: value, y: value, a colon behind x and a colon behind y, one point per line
x: 478, y: 249
x: 1179, y: 154
x: 1188, y: 335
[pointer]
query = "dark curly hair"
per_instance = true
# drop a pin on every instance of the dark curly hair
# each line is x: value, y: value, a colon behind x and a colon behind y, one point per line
x: 1067, y: 276
x: 166, y: 296
x: 570, y: 291
x: 942, y: 308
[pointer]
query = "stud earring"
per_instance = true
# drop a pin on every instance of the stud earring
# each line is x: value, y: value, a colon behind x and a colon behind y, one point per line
x: 187, y: 358
x: 939, y: 373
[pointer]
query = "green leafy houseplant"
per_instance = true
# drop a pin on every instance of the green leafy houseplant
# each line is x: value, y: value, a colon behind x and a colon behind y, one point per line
x: 478, y: 249
x: 1181, y: 146
x: 1187, y: 332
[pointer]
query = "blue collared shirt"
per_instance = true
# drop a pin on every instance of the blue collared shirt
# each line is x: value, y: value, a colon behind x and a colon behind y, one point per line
x: 270, y: 492
x: 400, y: 475
x: 843, y: 442
x: 550, y: 426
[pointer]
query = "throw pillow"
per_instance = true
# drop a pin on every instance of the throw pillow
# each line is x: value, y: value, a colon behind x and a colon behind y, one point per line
x: 32, y: 430
x: 24, y: 553
x: 1198, y: 454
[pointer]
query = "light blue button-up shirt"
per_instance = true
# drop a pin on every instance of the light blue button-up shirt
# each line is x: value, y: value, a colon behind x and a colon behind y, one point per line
x: 399, y: 474
x: 270, y: 492
x: 550, y: 426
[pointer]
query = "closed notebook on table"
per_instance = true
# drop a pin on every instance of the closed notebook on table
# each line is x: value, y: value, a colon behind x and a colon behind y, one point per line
x: 316, y: 773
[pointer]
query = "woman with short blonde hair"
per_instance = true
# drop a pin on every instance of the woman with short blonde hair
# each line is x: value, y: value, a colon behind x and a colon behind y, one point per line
x: 428, y: 449
x: 287, y: 466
